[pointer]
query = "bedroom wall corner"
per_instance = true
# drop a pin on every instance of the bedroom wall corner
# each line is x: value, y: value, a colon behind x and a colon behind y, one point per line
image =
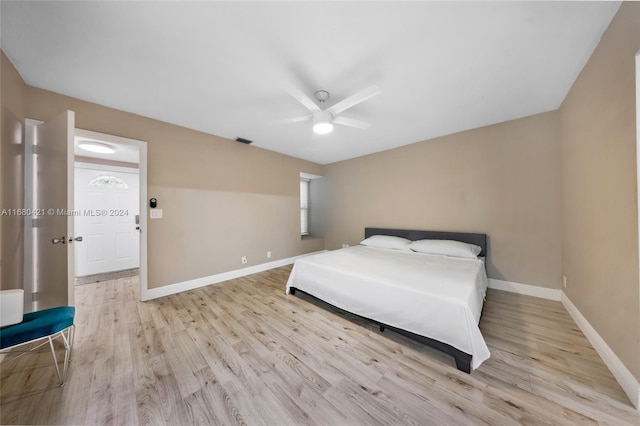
x: 320, y: 200
x: 599, y: 190
x: 11, y: 174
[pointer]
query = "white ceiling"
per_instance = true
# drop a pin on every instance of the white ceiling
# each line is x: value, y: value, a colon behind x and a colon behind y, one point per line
x: 221, y: 67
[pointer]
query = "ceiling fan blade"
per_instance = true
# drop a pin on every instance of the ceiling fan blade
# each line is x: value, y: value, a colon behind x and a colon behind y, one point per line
x: 352, y: 123
x: 289, y: 120
x: 353, y: 100
x: 303, y: 99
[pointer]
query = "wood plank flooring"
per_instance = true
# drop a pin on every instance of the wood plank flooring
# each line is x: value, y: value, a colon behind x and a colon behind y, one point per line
x: 242, y: 352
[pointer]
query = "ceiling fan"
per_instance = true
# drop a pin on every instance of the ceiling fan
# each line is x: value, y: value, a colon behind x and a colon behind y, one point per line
x: 324, y: 119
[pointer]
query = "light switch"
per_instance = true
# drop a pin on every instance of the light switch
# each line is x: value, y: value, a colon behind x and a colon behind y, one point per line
x: 155, y: 213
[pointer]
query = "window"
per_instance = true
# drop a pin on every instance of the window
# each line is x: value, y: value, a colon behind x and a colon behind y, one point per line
x: 304, y: 206
x: 106, y: 181
x: 305, y: 202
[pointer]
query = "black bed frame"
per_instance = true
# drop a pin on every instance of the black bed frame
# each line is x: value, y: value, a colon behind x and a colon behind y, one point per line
x: 463, y: 359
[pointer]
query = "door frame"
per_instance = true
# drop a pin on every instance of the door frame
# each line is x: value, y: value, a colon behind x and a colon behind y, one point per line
x: 29, y: 169
x: 636, y: 402
x: 142, y: 148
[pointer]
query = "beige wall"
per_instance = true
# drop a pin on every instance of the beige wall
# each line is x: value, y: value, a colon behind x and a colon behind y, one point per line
x: 11, y: 176
x: 221, y: 199
x: 503, y: 180
x: 599, y: 209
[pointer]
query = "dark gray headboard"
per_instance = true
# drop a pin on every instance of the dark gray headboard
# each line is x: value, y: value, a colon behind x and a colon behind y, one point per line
x: 465, y: 237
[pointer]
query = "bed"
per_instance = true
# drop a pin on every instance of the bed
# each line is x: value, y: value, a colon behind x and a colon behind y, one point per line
x: 436, y: 299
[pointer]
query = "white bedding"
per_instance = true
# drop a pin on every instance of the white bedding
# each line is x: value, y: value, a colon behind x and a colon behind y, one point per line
x: 435, y: 296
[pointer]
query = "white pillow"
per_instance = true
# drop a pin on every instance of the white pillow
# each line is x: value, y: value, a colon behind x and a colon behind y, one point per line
x: 387, y: 241
x: 446, y: 248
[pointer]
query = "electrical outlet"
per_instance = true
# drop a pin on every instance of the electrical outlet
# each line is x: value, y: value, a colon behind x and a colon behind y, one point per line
x: 564, y: 281
x: 345, y: 245
x: 268, y: 255
x: 244, y: 259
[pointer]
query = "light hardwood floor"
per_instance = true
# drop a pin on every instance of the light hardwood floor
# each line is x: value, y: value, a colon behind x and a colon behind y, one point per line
x: 242, y: 352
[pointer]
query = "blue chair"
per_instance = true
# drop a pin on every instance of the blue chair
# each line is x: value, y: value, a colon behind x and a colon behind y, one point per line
x: 36, y: 328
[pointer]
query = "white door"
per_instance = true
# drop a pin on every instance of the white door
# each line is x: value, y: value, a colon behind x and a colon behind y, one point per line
x: 107, y: 213
x: 52, y: 256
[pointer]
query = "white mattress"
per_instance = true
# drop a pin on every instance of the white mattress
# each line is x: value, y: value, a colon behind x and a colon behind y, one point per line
x: 438, y: 297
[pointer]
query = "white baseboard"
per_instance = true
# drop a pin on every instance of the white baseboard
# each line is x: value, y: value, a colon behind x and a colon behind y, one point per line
x: 625, y: 378
x: 167, y: 290
x: 529, y: 290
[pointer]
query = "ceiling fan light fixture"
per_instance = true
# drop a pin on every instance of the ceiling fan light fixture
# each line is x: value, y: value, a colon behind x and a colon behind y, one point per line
x: 324, y: 119
x: 97, y: 147
x: 323, y: 128
x: 322, y: 122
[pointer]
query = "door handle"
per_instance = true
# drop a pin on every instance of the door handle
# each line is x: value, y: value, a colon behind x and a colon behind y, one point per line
x: 78, y: 239
x: 61, y: 240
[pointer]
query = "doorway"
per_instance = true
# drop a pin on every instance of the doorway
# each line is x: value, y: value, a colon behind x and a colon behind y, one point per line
x: 109, y: 193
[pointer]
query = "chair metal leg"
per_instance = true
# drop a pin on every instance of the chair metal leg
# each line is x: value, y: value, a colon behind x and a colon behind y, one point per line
x: 68, y: 343
x: 55, y: 361
x: 71, y: 331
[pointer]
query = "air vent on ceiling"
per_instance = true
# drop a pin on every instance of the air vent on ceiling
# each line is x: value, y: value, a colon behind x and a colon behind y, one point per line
x: 243, y: 140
